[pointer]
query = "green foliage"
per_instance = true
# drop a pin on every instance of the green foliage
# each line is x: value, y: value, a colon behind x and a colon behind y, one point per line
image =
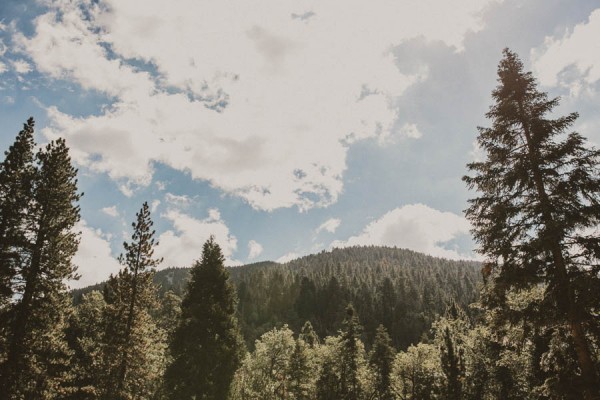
x: 539, y: 201
x: 381, y: 362
x: 133, y: 354
x: 206, y: 346
x: 36, y: 248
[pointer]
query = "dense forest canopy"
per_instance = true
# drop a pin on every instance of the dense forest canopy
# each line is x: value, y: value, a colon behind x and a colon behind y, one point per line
x: 401, y: 289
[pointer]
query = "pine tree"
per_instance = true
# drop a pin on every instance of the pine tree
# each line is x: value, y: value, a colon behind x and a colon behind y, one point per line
x: 16, y: 179
x: 133, y: 349
x: 382, y: 360
x: 300, y: 374
x: 37, y: 357
x: 86, y: 336
x: 452, y: 366
x: 349, y: 381
x: 308, y: 335
x: 207, y: 347
x: 540, y: 197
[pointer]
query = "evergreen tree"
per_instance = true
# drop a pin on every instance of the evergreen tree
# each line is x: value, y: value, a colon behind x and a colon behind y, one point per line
x: 86, y: 338
x: 37, y: 356
x: 349, y: 363
x: 382, y: 360
x: 328, y: 384
x: 308, y: 335
x: 207, y: 347
x: 16, y: 174
x: 540, y: 197
x: 452, y: 366
x: 300, y: 372
x: 133, y: 350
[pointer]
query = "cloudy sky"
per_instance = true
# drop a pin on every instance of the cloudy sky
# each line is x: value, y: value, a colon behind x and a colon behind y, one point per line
x: 282, y: 127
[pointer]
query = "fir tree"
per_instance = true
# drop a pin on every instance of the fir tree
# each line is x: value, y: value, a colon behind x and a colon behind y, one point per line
x: 16, y: 174
x: 540, y: 197
x: 382, y: 360
x: 349, y: 381
x: 328, y: 384
x: 86, y: 336
x: 207, y: 346
x: 37, y: 356
x: 133, y: 350
x: 308, y: 335
x: 452, y: 366
x: 300, y: 384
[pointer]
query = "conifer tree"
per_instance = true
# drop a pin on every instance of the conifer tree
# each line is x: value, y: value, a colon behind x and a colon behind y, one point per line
x: 300, y: 372
x: 86, y: 338
x: 207, y: 347
x: 452, y: 367
x: 37, y: 355
x: 382, y: 360
x: 539, y: 198
x: 349, y: 363
x: 16, y: 179
x: 308, y: 335
x: 133, y: 349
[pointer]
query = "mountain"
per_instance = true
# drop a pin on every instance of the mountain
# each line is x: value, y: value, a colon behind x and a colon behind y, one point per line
x: 401, y: 289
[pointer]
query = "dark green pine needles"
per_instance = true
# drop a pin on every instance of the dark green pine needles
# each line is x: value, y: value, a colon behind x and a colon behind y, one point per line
x: 37, y: 244
x: 539, y: 201
x: 207, y: 346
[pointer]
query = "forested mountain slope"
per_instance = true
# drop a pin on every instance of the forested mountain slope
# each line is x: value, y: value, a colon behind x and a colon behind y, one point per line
x: 401, y: 289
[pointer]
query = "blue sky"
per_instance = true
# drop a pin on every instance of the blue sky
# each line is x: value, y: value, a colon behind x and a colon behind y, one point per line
x: 282, y: 127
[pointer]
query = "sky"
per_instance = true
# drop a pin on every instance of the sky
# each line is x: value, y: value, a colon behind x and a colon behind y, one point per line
x: 283, y: 128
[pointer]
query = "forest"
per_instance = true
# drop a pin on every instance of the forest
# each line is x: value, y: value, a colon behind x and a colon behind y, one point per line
x: 357, y: 323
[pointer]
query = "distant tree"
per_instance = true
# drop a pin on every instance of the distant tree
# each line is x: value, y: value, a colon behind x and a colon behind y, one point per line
x: 416, y: 373
x: 37, y: 357
x: 133, y: 343
x: 452, y: 366
x: 308, y: 335
x: 328, y: 384
x: 86, y: 338
x: 381, y: 361
x: 207, y: 347
x: 300, y: 372
x: 539, y: 202
x: 350, y: 385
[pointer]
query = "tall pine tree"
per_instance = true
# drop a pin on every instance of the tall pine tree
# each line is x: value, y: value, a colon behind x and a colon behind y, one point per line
x: 37, y: 356
x: 133, y: 352
x: 539, y: 199
x: 207, y: 347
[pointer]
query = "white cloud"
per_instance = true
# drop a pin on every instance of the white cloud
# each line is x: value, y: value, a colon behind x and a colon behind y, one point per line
x: 410, y: 131
x: 110, y: 211
x: 21, y: 66
x: 255, y: 249
x: 330, y: 225
x: 3, y: 67
x: 154, y: 205
x: 94, y: 257
x: 259, y: 103
x: 287, y: 257
x: 572, y: 61
x: 416, y: 227
x: 179, y: 201
x: 182, y: 245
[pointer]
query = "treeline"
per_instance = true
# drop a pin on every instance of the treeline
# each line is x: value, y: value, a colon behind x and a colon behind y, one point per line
x: 403, y: 290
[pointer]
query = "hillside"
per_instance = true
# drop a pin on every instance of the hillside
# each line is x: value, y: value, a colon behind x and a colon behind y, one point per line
x: 401, y: 289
